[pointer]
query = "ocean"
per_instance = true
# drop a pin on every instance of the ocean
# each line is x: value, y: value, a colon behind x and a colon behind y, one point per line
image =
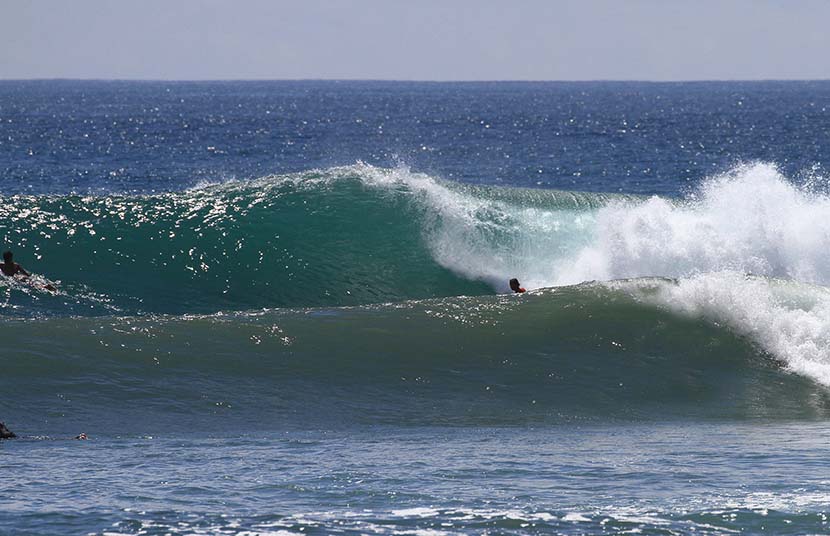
x: 283, y: 308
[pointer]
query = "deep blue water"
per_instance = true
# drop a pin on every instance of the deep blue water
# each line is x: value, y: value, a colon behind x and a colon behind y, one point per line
x: 70, y: 136
x: 282, y: 308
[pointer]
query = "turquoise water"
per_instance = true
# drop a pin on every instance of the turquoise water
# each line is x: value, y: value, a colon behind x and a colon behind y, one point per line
x: 282, y: 308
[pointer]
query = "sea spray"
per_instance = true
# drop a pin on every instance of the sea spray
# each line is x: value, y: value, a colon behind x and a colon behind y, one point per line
x: 751, y: 220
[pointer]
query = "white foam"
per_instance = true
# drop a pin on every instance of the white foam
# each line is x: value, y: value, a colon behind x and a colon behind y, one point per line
x: 575, y: 517
x: 788, y: 319
x: 751, y: 220
x: 416, y: 512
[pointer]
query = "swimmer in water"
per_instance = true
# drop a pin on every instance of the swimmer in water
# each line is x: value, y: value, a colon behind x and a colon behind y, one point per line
x: 515, y: 287
x: 11, y: 269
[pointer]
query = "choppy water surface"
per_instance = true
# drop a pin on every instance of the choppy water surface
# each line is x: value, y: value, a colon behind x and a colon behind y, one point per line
x: 574, y: 479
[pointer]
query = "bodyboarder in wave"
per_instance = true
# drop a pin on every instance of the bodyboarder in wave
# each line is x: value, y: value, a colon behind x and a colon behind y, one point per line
x: 12, y: 269
x: 515, y: 286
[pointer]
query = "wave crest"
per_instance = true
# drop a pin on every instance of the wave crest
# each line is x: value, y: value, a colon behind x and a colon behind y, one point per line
x: 750, y: 220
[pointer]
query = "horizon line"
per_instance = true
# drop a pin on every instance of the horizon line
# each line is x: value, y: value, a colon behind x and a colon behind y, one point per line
x: 416, y: 80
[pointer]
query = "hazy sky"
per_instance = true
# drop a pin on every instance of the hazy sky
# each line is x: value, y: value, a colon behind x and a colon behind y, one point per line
x: 416, y: 39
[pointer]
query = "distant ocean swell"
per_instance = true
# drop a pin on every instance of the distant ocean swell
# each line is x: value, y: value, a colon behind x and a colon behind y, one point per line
x: 713, y: 305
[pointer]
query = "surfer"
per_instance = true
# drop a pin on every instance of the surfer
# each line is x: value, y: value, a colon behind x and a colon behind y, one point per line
x: 11, y: 269
x: 5, y: 433
x: 515, y: 287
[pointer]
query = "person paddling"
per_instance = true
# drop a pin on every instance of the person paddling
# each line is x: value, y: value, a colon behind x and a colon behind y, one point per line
x: 11, y: 269
x: 515, y: 287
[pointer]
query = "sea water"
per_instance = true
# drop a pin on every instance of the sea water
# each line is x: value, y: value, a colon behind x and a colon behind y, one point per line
x: 282, y: 308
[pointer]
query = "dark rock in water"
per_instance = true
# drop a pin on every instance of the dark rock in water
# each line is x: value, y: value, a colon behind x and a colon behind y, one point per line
x: 5, y: 433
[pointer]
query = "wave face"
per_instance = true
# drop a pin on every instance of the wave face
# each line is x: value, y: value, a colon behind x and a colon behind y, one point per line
x: 705, y: 305
x: 360, y: 234
x: 580, y: 353
x: 344, y: 236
